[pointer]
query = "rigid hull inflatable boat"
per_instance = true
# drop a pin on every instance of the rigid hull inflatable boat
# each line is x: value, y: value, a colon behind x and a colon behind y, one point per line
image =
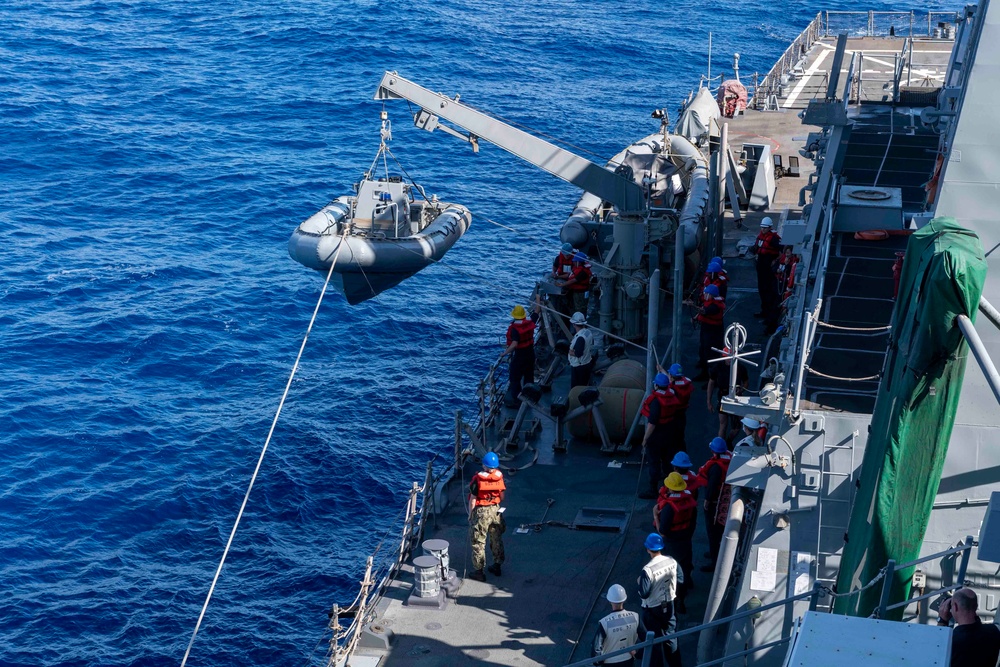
x: 387, y: 233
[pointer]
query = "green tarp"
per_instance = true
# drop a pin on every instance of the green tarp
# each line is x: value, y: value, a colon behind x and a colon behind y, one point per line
x: 943, y: 276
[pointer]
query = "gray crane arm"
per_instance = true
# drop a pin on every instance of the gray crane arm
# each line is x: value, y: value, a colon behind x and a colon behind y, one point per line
x: 623, y: 192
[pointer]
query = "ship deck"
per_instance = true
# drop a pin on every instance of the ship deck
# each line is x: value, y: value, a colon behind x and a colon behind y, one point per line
x: 544, y: 609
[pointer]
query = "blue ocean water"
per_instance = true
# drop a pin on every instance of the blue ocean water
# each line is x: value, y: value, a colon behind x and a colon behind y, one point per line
x: 154, y: 158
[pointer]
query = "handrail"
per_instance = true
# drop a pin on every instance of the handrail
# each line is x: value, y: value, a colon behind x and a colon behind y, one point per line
x: 771, y: 82
x: 965, y: 548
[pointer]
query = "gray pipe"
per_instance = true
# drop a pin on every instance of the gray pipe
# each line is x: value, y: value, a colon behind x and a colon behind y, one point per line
x: 723, y: 570
x: 574, y: 233
x: 697, y: 196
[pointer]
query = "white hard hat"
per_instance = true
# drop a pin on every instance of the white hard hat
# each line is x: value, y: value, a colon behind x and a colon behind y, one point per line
x: 617, y: 594
x: 750, y: 423
x: 766, y: 222
x: 578, y: 318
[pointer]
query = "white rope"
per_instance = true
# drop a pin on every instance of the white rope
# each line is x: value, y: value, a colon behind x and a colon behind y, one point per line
x: 840, y: 328
x: 834, y: 377
x: 263, y: 451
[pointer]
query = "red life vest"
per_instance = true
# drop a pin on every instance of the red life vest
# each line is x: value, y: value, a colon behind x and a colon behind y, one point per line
x: 683, y: 388
x: 580, y: 277
x: 487, y: 487
x: 720, y: 280
x: 562, y: 266
x: 768, y: 244
x: 693, y: 481
x: 669, y: 404
x: 684, y: 506
x: 722, y: 460
x: 525, y: 331
x: 713, y: 317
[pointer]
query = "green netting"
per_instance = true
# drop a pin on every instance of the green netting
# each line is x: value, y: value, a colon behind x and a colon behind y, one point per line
x: 943, y: 277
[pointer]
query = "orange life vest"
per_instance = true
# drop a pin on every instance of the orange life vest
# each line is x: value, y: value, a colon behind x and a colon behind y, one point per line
x: 714, y: 317
x: 684, y: 506
x: 525, y: 331
x: 487, y: 487
x: 581, y: 278
x: 669, y: 404
x: 683, y: 388
x: 562, y: 266
x: 768, y: 244
x: 693, y: 481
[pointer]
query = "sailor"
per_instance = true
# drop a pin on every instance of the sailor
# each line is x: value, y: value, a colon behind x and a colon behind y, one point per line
x: 973, y: 644
x: 682, y: 387
x: 719, y: 378
x: 562, y: 269
x: 659, y: 409
x: 578, y: 282
x: 562, y: 265
x: 766, y: 247
x: 753, y: 433
x: 486, y: 520
x: 676, y: 524
x: 521, y: 347
x: 681, y: 464
x: 581, y: 356
x: 784, y: 273
x: 710, y: 319
x: 714, y: 275
x: 657, y: 585
x: 618, y: 630
x: 716, y: 505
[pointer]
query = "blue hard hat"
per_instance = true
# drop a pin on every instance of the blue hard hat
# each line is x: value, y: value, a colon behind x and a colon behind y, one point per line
x: 661, y: 380
x: 580, y: 257
x: 711, y: 290
x: 675, y: 370
x: 718, y: 445
x: 654, y: 542
x: 567, y: 248
x: 681, y: 460
x: 714, y: 267
x: 491, y: 460
x: 716, y: 260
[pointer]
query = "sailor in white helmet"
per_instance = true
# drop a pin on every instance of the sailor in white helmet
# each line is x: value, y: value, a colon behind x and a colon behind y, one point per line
x: 751, y: 433
x: 581, y: 356
x: 657, y: 586
x: 617, y: 630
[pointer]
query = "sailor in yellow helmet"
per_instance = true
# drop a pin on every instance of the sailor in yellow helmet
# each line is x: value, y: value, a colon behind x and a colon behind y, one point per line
x: 521, y: 346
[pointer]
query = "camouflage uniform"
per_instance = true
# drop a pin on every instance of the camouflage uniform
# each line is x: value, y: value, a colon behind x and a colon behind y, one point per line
x: 487, y: 521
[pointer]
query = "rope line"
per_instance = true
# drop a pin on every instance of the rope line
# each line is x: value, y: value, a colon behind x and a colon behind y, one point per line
x: 834, y: 377
x: 263, y: 451
x: 840, y: 328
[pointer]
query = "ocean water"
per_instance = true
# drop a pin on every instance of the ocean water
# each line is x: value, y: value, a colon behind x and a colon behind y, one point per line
x: 154, y: 158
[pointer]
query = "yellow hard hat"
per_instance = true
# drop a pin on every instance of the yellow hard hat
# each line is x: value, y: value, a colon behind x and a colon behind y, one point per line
x: 675, y: 482
x: 518, y: 313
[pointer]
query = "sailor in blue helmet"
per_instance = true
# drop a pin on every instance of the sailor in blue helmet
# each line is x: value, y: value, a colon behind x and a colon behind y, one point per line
x: 486, y: 492
x: 683, y: 387
x: 660, y: 408
x: 562, y: 269
x: 657, y: 587
x: 715, y: 275
x: 578, y: 283
x: 716, y: 504
x: 710, y: 319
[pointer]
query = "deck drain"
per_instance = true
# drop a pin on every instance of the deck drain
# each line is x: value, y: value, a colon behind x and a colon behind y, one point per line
x: 433, y: 626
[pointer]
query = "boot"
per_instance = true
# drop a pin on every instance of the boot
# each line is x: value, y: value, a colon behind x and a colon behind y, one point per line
x: 478, y: 575
x: 495, y: 569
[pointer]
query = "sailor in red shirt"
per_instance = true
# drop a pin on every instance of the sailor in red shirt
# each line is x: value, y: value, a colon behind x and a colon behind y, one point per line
x: 578, y: 283
x: 659, y: 409
x: 716, y: 504
x: 676, y: 524
x: 767, y: 247
x: 521, y: 346
x: 562, y: 269
x: 683, y: 388
x: 714, y: 275
x: 710, y: 318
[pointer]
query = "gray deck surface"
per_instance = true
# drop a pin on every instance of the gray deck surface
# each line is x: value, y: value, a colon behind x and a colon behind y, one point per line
x: 551, y: 591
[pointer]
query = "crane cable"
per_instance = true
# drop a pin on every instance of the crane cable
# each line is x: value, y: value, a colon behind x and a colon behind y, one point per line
x: 263, y: 451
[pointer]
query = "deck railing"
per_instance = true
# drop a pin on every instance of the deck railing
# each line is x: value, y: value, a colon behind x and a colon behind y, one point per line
x: 768, y: 89
x: 963, y: 551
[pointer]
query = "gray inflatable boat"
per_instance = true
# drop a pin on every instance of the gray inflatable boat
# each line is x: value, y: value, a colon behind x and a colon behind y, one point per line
x: 390, y: 233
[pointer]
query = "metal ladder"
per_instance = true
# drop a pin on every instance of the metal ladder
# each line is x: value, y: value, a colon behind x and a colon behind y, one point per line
x: 827, y: 477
